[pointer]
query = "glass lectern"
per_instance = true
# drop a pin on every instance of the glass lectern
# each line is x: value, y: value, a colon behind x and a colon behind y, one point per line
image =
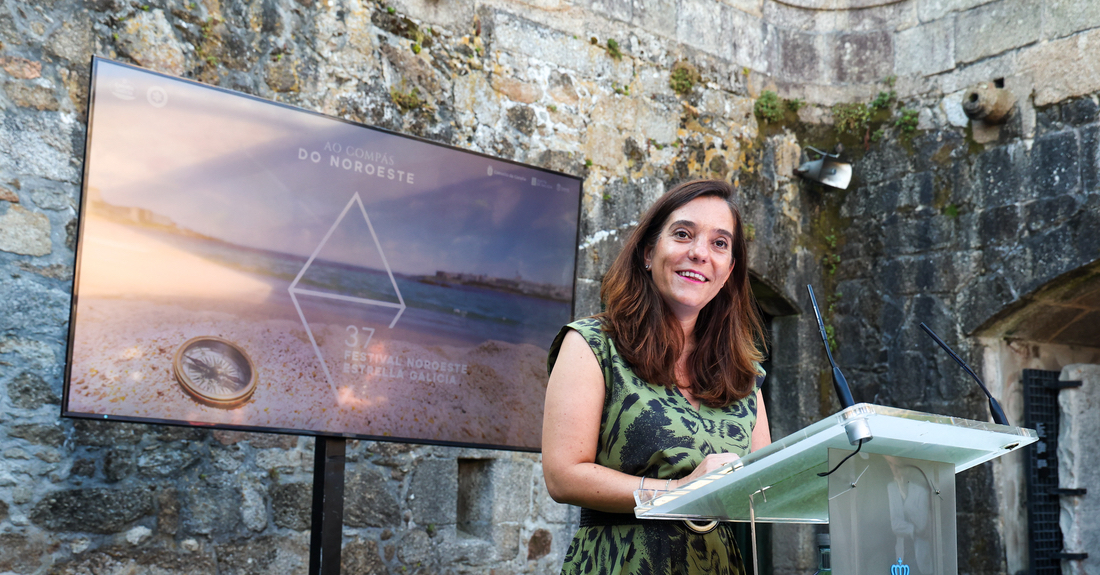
x: 893, y: 502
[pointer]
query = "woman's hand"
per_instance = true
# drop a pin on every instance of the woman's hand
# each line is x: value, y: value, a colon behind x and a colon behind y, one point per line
x: 761, y: 437
x: 710, y: 463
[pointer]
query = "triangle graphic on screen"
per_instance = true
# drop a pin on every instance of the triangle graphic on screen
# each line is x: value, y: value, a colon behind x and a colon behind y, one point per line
x: 348, y: 267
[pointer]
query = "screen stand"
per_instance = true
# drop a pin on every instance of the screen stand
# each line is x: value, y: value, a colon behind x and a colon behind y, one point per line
x: 327, y: 529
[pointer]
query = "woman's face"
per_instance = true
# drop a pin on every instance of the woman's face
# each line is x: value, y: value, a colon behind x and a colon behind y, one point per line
x: 693, y: 256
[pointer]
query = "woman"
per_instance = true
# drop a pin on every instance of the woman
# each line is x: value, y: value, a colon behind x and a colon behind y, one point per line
x: 658, y: 390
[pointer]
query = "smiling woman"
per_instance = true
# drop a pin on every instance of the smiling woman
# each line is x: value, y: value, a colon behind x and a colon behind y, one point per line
x: 663, y: 386
x: 691, y: 259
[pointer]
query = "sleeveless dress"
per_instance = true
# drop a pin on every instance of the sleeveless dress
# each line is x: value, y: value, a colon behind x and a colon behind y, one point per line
x: 652, y: 430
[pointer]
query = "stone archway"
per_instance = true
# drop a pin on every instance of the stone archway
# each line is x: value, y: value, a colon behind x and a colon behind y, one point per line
x: 1064, y: 311
x: 1055, y: 328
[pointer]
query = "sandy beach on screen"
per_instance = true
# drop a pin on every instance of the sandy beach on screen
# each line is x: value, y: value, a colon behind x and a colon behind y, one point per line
x: 140, y: 298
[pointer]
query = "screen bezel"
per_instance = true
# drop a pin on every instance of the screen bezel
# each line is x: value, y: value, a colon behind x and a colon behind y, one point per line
x: 89, y: 115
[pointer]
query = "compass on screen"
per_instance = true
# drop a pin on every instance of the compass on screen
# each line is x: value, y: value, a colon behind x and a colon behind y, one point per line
x: 215, y: 371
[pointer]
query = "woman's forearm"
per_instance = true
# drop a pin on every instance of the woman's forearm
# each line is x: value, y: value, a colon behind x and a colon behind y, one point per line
x: 596, y: 487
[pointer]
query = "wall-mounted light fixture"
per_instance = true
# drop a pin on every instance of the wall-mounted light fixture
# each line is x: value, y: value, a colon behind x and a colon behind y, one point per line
x: 827, y: 169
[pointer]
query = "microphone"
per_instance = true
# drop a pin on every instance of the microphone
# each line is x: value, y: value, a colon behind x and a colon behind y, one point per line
x: 840, y: 384
x: 858, y: 430
x: 994, y: 407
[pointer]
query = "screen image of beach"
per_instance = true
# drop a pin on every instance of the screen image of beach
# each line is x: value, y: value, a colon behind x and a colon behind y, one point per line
x: 251, y: 265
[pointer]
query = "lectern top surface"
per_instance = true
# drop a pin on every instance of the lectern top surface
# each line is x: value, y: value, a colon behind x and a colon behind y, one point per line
x: 782, y: 478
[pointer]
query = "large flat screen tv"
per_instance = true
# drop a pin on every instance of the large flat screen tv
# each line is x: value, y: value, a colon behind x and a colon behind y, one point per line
x: 250, y: 265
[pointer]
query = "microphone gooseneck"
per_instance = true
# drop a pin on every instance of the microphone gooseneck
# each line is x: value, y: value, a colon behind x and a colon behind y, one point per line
x: 994, y: 407
x: 840, y: 384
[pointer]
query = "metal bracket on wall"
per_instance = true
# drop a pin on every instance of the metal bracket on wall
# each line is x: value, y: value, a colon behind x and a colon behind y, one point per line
x: 1073, y: 491
x: 1055, y: 384
x: 1071, y: 556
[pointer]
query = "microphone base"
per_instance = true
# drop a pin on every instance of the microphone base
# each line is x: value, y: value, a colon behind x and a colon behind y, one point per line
x: 858, y: 429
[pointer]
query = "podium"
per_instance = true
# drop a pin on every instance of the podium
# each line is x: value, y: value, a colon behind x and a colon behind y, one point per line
x: 891, y: 507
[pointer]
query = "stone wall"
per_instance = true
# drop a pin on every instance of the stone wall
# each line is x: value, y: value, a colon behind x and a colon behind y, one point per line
x: 946, y: 222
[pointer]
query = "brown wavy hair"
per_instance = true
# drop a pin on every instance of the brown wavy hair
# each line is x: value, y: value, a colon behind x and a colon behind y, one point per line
x: 722, y: 368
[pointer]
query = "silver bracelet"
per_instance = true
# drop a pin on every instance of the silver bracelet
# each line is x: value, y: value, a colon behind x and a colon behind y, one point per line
x: 667, y: 483
x: 641, y: 484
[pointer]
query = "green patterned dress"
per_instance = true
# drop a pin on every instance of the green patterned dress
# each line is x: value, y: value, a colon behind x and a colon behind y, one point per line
x: 652, y: 430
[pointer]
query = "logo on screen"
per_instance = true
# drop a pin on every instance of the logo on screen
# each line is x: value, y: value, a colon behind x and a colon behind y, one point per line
x: 305, y: 285
x: 157, y: 96
x: 123, y: 90
x: 899, y: 569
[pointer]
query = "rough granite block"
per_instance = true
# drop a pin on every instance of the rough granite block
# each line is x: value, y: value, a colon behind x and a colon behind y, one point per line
x: 1090, y: 158
x: 926, y: 49
x: 1054, y: 164
x: 997, y: 179
x: 622, y: 10
x: 511, y: 487
x: 801, y: 56
x: 433, y: 491
x: 929, y: 10
x: 657, y: 17
x: 752, y: 41
x: 1065, y: 17
x: 1063, y: 68
x: 995, y: 28
x: 1079, y: 465
x: 863, y: 57
x: 704, y: 25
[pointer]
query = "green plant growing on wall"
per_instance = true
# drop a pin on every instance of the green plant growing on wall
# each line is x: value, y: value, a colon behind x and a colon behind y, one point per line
x: 830, y: 334
x: 416, y: 48
x: 907, y: 121
x: 831, y: 259
x: 851, y: 118
x: 683, y: 78
x: 768, y: 107
x: 750, y: 232
x: 406, y: 101
x: 207, y: 27
x: 613, y: 49
x: 795, y: 104
x: 883, y: 100
x: 951, y: 211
